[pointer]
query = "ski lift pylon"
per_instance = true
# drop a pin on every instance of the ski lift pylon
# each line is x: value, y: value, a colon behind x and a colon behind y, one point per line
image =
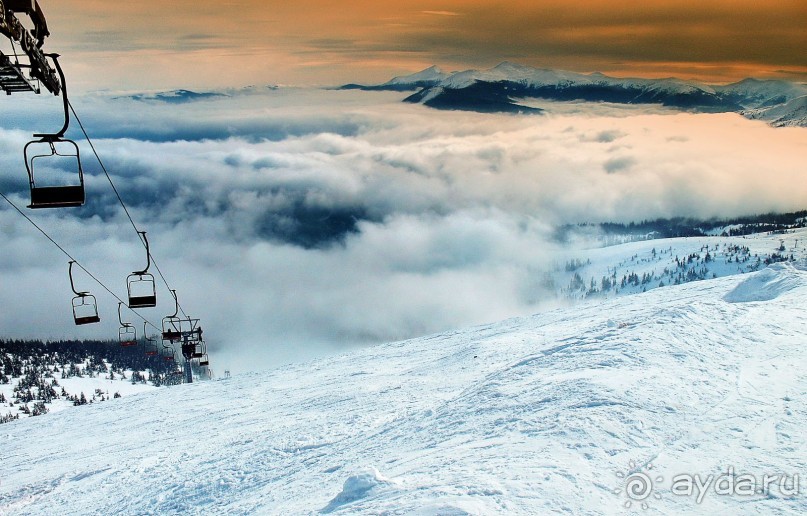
x: 13, y: 79
x: 85, y: 309
x: 140, y: 284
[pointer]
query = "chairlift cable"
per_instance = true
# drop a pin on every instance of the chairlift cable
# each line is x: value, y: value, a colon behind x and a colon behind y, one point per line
x: 62, y: 249
x: 120, y: 199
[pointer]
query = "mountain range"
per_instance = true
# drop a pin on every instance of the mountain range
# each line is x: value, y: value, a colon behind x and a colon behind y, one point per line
x: 503, y: 88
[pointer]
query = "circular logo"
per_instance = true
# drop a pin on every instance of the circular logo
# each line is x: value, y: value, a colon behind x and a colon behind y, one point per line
x: 638, y: 485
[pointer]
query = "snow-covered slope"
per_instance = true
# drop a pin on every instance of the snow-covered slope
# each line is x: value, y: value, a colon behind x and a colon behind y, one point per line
x: 758, y: 93
x: 566, y: 411
x: 792, y: 113
x: 634, y: 267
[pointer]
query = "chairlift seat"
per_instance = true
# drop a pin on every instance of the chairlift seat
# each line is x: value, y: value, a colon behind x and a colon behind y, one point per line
x: 127, y: 343
x: 171, y: 335
x: 87, y: 320
x: 57, y: 196
x: 142, y: 301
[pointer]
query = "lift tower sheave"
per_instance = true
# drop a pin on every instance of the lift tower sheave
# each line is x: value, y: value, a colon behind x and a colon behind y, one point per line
x: 13, y: 76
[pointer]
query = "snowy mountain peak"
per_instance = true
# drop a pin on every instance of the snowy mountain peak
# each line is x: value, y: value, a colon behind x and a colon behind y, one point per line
x: 508, y: 67
x: 432, y: 74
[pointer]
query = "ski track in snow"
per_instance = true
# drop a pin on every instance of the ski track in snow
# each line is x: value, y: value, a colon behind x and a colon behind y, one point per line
x: 534, y: 415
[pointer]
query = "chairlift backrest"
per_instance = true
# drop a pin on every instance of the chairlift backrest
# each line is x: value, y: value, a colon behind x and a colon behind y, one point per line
x: 168, y: 353
x: 54, y: 173
x: 200, y: 349
x: 127, y: 335
x: 142, y: 290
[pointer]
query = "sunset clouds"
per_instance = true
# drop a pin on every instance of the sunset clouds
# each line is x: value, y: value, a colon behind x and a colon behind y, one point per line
x: 195, y: 44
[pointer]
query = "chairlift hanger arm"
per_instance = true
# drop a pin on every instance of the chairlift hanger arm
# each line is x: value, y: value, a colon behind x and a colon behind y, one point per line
x: 72, y: 285
x: 176, y: 304
x: 120, y: 318
x: 148, y: 257
x: 65, y: 103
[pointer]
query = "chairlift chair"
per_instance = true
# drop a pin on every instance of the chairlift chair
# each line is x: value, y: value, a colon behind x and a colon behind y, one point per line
x: 204, y: 362
x: 150, y: 344
x: 46, y: 160
x: 172, y: 324
x: 140, y: 284
x: 167, y: 353
x: 85, y: 308
x: 127, y: 335
x: 200, y: 350
x: 48, y: 156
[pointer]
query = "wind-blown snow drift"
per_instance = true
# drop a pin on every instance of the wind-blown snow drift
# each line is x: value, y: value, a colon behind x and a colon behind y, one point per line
x: 769, y: 284
x: 557, y: 412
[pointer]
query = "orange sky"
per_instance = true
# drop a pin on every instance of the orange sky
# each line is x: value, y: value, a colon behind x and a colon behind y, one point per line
x: 183, y: 43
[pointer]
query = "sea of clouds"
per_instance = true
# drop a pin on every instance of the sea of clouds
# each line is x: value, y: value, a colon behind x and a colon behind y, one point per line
x: 297, y: 222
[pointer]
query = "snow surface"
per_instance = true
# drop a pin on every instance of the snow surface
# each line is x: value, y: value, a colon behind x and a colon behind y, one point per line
x: 728, y: 257
x: 792, y: 113
x: 88, y: 385
x: 560, y: 412
x: 759, y: 91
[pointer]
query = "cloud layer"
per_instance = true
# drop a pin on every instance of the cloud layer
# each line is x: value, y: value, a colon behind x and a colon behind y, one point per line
x: 297, y: 222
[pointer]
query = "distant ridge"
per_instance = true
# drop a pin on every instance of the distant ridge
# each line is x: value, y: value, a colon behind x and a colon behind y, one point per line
x: 501, y: 88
